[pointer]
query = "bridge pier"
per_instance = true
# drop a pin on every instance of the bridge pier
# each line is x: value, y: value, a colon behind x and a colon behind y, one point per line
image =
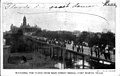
x: 70, y: 56
x: 52, y: 52
x: 64, y: 52
x: 76, y: 57
x: 57, y: 52
x: 83, y: 61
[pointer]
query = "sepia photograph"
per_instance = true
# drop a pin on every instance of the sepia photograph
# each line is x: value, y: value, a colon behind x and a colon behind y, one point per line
x: 58, y: 36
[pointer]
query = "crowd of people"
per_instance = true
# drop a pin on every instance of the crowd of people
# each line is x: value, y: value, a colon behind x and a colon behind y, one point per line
x: 97, y: 50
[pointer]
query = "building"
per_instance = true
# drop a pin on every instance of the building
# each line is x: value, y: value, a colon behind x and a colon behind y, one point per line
x: 26, y: 28
x: 13, y: 28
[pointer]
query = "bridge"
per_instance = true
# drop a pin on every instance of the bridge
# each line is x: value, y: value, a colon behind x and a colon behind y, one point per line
x: 64, y: 54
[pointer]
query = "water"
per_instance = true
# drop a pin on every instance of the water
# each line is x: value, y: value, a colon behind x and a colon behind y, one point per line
x: 59, y: 65
x: 78, y: 64
x: 74, y: 64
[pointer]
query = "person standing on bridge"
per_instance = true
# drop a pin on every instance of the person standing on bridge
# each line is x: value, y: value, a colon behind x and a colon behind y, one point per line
x: 78, y: 48
x: 82, y: 49
x: 73, y: 47
x: 102, y: 48
x: 64, y: 44
x: 97, y: 51
x: 91, y: 51
x: 109, y: 56
x: 106, y: 53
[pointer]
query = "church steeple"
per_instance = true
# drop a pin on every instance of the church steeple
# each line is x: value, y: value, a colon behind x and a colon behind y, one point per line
x: 24, y: 21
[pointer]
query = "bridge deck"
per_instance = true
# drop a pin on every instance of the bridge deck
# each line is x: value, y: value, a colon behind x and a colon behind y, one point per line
x: 71, y: 51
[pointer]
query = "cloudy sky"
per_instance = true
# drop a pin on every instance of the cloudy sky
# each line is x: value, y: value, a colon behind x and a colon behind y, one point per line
x: 95, y: 19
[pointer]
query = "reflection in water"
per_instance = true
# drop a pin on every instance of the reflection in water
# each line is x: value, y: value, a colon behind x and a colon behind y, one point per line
x: 105, y: 62
x: 59, y: 65
x: 78, y: 64
x: 74, y: 65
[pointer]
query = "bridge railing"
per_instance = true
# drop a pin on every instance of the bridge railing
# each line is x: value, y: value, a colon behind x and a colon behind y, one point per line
x: 63, y: 54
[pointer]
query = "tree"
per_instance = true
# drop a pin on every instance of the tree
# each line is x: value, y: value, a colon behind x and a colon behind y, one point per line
x: 108, y: 39
x: 83, y: 37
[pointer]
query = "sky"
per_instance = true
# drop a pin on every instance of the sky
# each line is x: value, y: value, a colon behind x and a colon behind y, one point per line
x: 94, y: 19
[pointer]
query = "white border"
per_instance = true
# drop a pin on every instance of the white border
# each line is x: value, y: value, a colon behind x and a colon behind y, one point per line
x: 11, y: 72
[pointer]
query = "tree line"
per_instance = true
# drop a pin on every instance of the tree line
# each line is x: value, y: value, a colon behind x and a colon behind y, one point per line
x: 92, y: 38
x: 19, y: 43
